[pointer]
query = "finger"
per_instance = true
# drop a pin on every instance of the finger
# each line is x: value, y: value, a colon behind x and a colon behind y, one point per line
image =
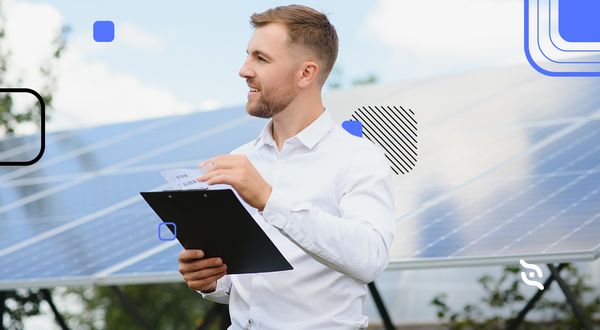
x: 213, y: 161
x: 223, y: 179
x: 213, y: 173
x: 200, y: 264
x: 213, y: 285
x: 226, y: 162
x: 207, y: 162
x: 204, y: 273
x: 196, y: 285
x: 227, y: 176
x: 189, y: 255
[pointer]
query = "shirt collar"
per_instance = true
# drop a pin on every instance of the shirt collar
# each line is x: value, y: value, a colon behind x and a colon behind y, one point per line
x: 309, y: 136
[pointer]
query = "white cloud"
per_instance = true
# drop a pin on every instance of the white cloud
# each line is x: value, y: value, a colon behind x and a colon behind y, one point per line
x: 130, y: 34
x: 439, y: 35
x: 87, y: 92
x: 209, y: 104
x: 30, y: 29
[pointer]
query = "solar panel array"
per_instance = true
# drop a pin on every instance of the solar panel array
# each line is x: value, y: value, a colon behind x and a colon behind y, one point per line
x: 509, y: 170
x: 544, y: 208
x: 77, y: 217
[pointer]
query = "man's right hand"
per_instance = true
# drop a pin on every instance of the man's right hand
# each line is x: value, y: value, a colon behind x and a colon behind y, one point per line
x: 199, y: 273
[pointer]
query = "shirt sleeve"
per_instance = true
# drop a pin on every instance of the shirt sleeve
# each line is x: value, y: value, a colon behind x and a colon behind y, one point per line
x: 221, y: 293
x: 357, y: 242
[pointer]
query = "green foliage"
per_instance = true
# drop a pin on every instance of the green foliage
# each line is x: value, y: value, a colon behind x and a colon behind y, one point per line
x: 10, y: 118
x: 336, y: 78
x: 369, y: 79
x: 163, y: 306
x: 503, y: 301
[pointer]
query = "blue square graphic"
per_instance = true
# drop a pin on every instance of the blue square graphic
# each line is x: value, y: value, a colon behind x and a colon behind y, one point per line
x: 579, y: 20
x: 104, y: 31
x: 167, y: 236
x: 353, y: 127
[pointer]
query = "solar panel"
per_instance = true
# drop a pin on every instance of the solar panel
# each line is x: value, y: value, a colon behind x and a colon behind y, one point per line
x: 508, y: 168
x: 94, y: 219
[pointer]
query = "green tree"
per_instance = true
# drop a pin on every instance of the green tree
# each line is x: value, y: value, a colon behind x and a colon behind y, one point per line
x: 18, y: 304
x: 367, y: 80
x: 169, y: 306
x: 10, y: 117
x: 504, y: 299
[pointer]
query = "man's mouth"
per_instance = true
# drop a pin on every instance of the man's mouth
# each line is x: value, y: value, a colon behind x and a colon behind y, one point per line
x: 253, y: 91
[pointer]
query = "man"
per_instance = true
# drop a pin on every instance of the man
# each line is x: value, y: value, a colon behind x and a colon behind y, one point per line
x: 323, y: 196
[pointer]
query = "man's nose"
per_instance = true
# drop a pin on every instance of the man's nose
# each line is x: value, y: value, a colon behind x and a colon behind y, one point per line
x: 246, y: 71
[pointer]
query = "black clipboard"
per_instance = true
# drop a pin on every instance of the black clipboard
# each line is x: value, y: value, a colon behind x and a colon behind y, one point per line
x: 216, y: 222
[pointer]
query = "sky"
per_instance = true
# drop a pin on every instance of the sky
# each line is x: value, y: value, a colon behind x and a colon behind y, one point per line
x: 180, y: 56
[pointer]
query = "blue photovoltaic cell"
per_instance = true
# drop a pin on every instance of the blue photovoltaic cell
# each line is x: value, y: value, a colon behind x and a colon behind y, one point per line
x: 81, y: 138
x: 72, y: 203
x: 99, y: 244
x: 558, y: 192
x: 164, y: 261
x: 146, y: 142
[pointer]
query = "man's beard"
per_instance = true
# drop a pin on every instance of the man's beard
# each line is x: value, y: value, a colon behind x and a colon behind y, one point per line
x: 271, y: 102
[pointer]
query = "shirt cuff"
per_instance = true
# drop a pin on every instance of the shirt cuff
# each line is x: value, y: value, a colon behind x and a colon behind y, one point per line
x: 221, y: 293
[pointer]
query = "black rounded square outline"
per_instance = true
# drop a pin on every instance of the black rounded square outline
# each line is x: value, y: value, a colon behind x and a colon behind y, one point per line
x: 42, y: 126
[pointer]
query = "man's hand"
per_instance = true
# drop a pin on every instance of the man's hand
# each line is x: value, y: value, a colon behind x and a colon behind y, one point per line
x: 200, y: 274
x: 238, y: 172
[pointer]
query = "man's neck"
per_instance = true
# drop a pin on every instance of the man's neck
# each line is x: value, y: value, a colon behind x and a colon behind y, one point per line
x: 293, y: 120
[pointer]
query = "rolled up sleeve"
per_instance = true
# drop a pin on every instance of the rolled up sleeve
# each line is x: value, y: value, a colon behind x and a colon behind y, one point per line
x: 221, y: 293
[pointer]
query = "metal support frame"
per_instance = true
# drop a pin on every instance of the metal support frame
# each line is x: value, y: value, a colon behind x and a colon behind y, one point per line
x: 59, y: 319
x: 385, y: 317
x: 585, y: 321
x: 223, y: 310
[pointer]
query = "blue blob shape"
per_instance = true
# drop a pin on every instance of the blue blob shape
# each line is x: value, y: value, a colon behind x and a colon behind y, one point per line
x: 104, y: 31
x: 579, y: 20
x: 174, y: 231
x: 353, y: 127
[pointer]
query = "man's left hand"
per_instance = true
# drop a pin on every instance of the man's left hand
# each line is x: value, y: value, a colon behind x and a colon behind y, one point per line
x: 238, y: 172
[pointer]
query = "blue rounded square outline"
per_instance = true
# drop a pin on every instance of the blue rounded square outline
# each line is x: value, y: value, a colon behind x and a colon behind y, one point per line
x: 540, y: 69
x: 42, y: 126
x: 104, y: 31
x: 174, y: 231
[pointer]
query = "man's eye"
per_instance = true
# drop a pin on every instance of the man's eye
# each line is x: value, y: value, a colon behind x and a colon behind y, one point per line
x: 260, y: 58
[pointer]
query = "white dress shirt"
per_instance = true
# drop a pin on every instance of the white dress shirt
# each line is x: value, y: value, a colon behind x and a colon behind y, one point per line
x: 331, y: 215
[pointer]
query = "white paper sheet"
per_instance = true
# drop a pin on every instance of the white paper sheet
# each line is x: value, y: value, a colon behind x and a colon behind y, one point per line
x: 184, y: 179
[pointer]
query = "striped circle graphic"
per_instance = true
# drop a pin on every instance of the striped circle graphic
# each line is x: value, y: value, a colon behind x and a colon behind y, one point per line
x: 395, y: 130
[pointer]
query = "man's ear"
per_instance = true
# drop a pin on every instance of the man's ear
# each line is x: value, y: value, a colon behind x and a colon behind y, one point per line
x: 309, y: 73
